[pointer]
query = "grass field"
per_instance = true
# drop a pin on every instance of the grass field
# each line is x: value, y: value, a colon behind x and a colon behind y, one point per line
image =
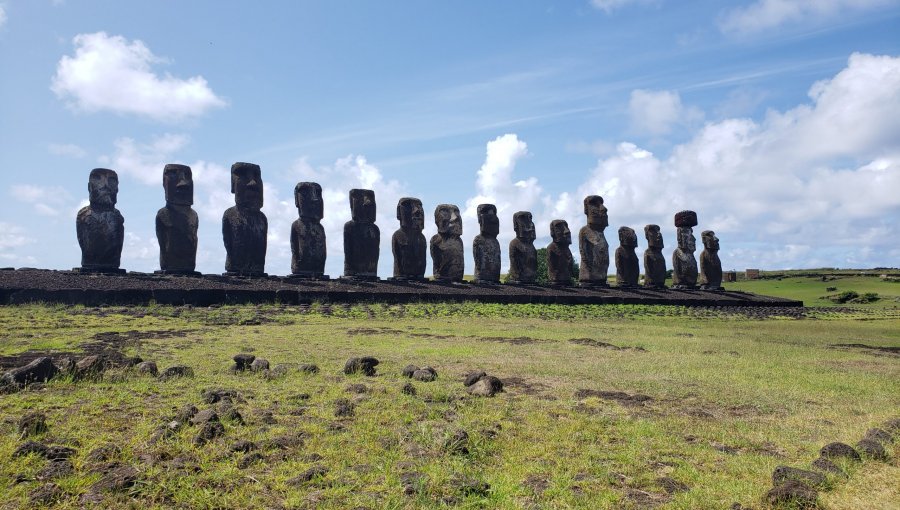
x: 812, y: 290
x: 709, y: 404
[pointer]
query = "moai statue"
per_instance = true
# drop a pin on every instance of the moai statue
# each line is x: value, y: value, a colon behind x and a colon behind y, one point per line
x: 176, y: 223
x: 408, y: 243
x: 559, y: 256
x: 485, y: 247
x: 710, y: 265
x: 522, y: 255
x: 244, y: 226
x: 447, y: 257
x: 592, y: 244
x: 684, y: 265
x: 100, y: 226
x: 361, y: 237
x: 308, y: 248
x: 654, y: 261
x: 627, y: 268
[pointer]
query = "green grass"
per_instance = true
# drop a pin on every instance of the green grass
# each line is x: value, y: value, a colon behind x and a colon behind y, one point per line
x: 770, y: 391
x: 811, y: 289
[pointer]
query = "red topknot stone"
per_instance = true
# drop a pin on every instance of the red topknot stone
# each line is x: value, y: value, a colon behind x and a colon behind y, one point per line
x: 685, y: 219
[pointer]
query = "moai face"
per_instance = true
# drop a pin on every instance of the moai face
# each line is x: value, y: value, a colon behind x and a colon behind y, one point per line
x: 559, y: 230
x: 178, y: 184
x: 448, y: 220
x: 654, y: 237
x: 628, y: 238
x: 411, y: 214
x: 524, y: 226
x: 308, y: 199
x: 103, y: 188
x: 247, y: 185
x: 362, y: 205
x: 596, y: 213
x: 488, y: 220
x: 686, y: 240
x: 710, y: 241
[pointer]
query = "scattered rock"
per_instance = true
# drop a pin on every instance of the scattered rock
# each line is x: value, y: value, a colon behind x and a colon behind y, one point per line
x: 309, y: 368
x: 232, y: 415
x: 116, y: 480
x: 458, y: 443
x: 794, y: 493
x: 249, y: 459
x: 279, y: 370
x: 39, y: 370
x: 357, y: 388
x: 90, y: 368
x: 104, y: 453
x: 317, y: 471
x: 148, y: 368
x: 176, y: 372
x: 55, y: 469
x: 408, y: 389
x: 343, y: 407
x: 32, y: 424
x: 880, y: 435
x: 473, y: 377
x: 671, y: 485
x: 48, y: 452
x: 784, y: 473
x: 209, y: 431
x: 267, y: 417
x: 871, y: 449
x: 409, y: 370
x: 186, y: 413
x: 214, y: 395
x: 365, y: 365
x: 242, y: 361
x: 413, y: 483
x: 204, y: 416
x: 259, y: 365
x: 622, y: 398
x: 838, y: 450
x: 426, y: 374
x: 486, y: 386
x: 825, y: 465
x: 286, y: 441
x: 892, y: 426
x: 242, y: 447
x: 46, y: 494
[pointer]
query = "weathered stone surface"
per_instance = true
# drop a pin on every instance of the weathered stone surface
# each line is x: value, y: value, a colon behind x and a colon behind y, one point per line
x: 880, y: 435
x: 408, y: 389
x: 684, y: 265
x: 838, y: 450
x: 116, y: 480
x: 308, y: 247
x: 628, y: 269
x: 30, y: 447
x: 204, y: 416
x: 794, y: 493
x: 827, y: 466
x: 309, y: 368
x: 365, y: 365
x: 361, y: 237
x: 309, y: 475
x: 175, y: 372
x: 408, y: 244
x: 559, y: 256
x: 592, y: 245
x: 473, y: 377
x: 654, y: 261
x: 176, y: 223
x: 487, y: 386
x: 446, y: 247
x: 147, y: 367
x: 485, y: 247
x: 40, y: 370
x: 409, y: 370
x: 100, y: 226
x: 32, y: 424
x: 250, y: 459
x: 104, y: 453
x: 782, y: 474
x: 46, y: 494
x: 344, y: 408
x: 522, y: 254
x: 710, y: 265
x: 243, y: 361
x: 90, y: 367
x: 244, y: 226
x: 186, y: 413
x: 259, y: 365
x: 426, y: 374
x: 209, y: 431
x: 872, y: 449
x: 56, y: 469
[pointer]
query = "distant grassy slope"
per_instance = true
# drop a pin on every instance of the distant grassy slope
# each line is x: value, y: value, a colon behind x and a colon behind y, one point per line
x: 811, y: 289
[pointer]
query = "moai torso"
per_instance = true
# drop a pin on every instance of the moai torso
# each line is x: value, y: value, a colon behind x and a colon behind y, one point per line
x: 447, y: 258
x: 684, y: 265
x: 710, y: 265
x: 408, y: 244
x: 244, y: 231
x: 361, y: 248
x: 486, y: 251
x: 654, y: 261
x: 559, y: 255
x: 627, y: 267
x: 101, y: 234
x: 308, y: 247
x: 176, y: 232
x: 594, y: 252
x: 522, y: 261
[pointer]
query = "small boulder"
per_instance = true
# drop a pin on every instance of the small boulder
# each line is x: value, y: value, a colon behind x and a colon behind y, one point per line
x: 39, y: 370
x: 409, y: 370
x: 56, y: 469
x: 892, y: 426
x: 784, y: 473
x: 45, y: 495
x: 104, y: 453
x: 147, y: 368
x: 880, y: 435
x: 32, y: 424
x: 243, y: 446
x: 250, y: 459
x: 185, y: 414
x: 309, y: 475
x: 473, y: 377
x: 116, y: 480
x: 90, y: 367
x: 793, y: 493
x: 30, y: 447
x: 243, y: 361
x: 826, y: 466
x: 259, y: 365
x: 469, y: 486
x: 365, y: 365
x: 204, y: 416
x: 487, y: 386
x: 309, y: 368
x: 839, y: 450
x: 214, y: 395
x: 413, y: 483
x: 408, y: 389
x: 357, y: 388
x: 59, y: 452
x: 872, y: 449
x: 209, y: 431
x: 175, y: 372
x: 426, y: 374
x: 344, y: 408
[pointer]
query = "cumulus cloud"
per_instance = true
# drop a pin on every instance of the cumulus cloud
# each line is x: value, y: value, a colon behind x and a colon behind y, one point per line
x: 12, y: 236
x: 2, y: 16
x: 44, y: 200
x: 656, y: 112
x: 145, y: 161
x: 110, y: 73
x: 762, y: 15
x: 69, y: 150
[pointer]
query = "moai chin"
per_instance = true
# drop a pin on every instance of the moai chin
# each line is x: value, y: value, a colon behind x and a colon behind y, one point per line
x: 485, y: 247
x: 710, y: 265
x: 592, y: 244
x: 408, y: 244
x: 244, y: 226
x: 627, y: 267
x: 559, y: 256
x: 361, y: 237
x: 684, y: 265
x: 308, y: 248
x: 447, y: 257
x: 100, y: 226
x: 522, y: 255
x: 176, y: 223
x: 654, y: 261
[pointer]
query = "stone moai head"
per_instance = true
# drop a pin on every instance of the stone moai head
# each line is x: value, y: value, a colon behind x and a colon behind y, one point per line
x: 103, y: 188
x: 628, y: 238
x: 448, y: 220
x: 411, y: 214
x: 247, y: 185
x: 596, y: 213
x: 178, y: 184
x: 685, y: 221
x: 710, y: 241
x: 362, y: 205
x: 559, y: 230
x: 308, y: 199
x: 488, y: 220
x: 654, y: 237
x: 524, y: 226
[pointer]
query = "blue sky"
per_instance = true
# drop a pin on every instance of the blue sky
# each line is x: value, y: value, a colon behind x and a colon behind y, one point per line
x: 777, y: 121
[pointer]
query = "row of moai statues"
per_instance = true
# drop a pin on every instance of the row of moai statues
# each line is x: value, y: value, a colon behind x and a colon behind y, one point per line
x: 100, y: 229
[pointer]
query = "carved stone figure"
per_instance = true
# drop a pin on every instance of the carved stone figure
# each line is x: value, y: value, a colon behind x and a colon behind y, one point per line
x: 176, y: 223
x: 522, y: 255
x: 361, y: 237
x: 684, y: 265
x: 244, y: 226
x: 408, y: 243
x: 308, y: 248
x: 654, y: 261
x: 100, y: 226
x: 592, y: 244
x: 446, y: 247
x: 485, y: 247
x: 559, y: 256
x: 710, y: 265
x: 627, y: 268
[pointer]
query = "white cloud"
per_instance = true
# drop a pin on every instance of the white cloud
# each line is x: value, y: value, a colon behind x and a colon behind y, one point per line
x: 12, y: 236
x: 69, y: 150
x: 610, y: 5
x: 109, y: 73
x: 46, y: 201
x: 762, y: 15
x: 656, y: 112
x: 145, y: 161
x: 2, y: 16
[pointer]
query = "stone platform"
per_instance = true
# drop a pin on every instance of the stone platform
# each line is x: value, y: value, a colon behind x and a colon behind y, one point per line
x: 69, y: 287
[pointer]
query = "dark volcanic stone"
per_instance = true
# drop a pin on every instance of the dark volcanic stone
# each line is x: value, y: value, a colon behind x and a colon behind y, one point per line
x: 204, y: 416
x: 825, y: 465
x: 30, y: 447
x: 522, y: 255
x: 309, y: 368
x: 176, y: 223
x: 408, y: 370
x: 39, y: 370
x: 413, y: 483
x: 343, y: 408
x: 447, y: 258
x: 185, y: 414
x: 259, y: 365
x: 892, y: 426
x: 473, y: 377
x: 794, y: 493
x: 628, y: 269
x: 487, y: 386
x: 99, y: 226
x: 46, y: 494
x: 32, y: 424
x: 250, y: 459
x: 357, y: 388
x: 176, y: 372
x: 361, y: 236
x: 244, y: 226
x: 365, y: 365
x: 837, y: 450
x: 209, y: 431
x: 784, y: 473
x: 880, y: 435
x: 671, y: 485
x: 116, y: 480
x: 408, y: 389
x: 309, y: 475
x: 56, y: 469
x: 213, y: 395
x: 471, y: 486
x: 408, y: 245
x: 90, y: 367
x: 872, y: 449
x: 104, y: 453
x: 485, y: 247
x: 243, y: 446
x: 654, y: 261
x: 426, y: 374
x: 242, y: 361
x: 559, y: 255
x: 147, y: 367
x: 59, y: 452
x: 308, y: 247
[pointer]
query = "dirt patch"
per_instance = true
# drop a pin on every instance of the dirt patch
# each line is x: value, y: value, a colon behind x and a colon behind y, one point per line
x: 621, y: 397
x: 524, y: 386
x: 590, y: 342
x: 870, y: 349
